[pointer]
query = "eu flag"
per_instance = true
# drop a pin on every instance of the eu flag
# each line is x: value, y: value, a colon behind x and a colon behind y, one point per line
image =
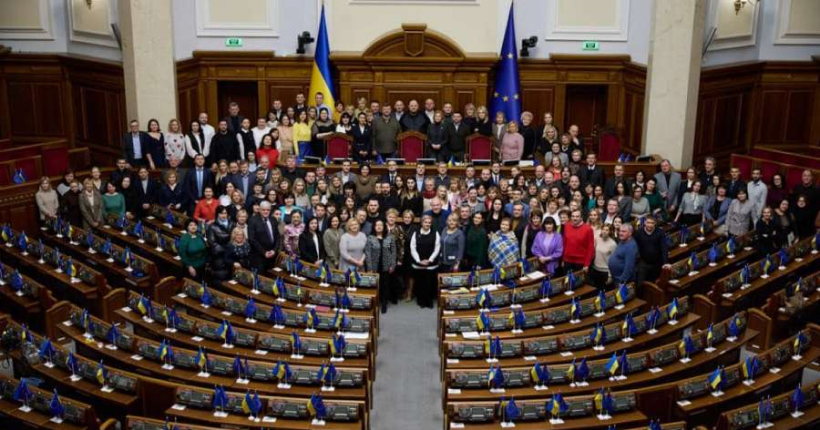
x: 506, y: 92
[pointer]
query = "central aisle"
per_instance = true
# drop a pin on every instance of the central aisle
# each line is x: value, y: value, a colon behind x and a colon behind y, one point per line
x: 407, y: 392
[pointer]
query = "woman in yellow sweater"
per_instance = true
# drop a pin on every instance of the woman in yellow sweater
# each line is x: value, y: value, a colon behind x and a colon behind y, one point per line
x: 301, y: 136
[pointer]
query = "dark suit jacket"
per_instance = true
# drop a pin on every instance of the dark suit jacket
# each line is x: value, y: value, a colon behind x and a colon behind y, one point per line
x: 128, y: 148
x: 118, y: 175
x: 362, y: 140
x: 231, y: 129
x: 236, y: 180
x: 261, y: 241
x: 150, y: 195
x: 594, y: 177
x: 457, y: 140
x: 189, y: 183
x: 307, y: 248
x: 612, y: 183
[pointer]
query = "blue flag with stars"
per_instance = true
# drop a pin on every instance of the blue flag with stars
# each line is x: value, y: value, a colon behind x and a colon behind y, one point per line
x: 506, y: 92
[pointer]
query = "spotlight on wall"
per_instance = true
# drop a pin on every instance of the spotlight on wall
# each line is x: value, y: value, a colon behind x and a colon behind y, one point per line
x: 304, y: 39
x: 526, y: 44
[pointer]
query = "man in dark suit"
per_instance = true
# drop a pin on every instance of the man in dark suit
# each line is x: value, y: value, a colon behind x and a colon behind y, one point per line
x: 224, y: 145
x: 121, y: 172
x: 592, y: 173
x: 264, y: 237
x: 392, y: 172
x: 291, y: 171
x: 612, y: 183
x: 196, y: 180
x: 234, y: 118
x: 146, y: 191
x: 243, y: 180
x: 135, y: 145
x: 457, y: 133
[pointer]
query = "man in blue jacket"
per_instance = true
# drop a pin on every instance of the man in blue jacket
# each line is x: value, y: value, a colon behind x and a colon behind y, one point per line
x: 622, y: 261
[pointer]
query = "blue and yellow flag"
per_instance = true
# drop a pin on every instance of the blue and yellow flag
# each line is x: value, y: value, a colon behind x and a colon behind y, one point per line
x: 506, y: 91
x: 321, y: 79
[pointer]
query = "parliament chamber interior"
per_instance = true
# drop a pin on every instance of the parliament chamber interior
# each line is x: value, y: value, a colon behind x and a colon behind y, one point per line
x: 530, y: 214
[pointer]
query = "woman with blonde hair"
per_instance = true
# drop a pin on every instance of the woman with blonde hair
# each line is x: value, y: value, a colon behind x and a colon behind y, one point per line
x: 512, y: 144
x: 351, y: 247
x: 483, y: 125
x: 48, y: 201
x: 174, y: 142
x: 300, y: 193
x: 285, y: 139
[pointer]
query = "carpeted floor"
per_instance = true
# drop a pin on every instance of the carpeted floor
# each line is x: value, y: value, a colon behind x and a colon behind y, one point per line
x: 407, y: 392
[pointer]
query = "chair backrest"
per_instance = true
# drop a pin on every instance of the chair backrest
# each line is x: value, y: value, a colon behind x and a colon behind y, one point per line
x: 744, y: 164
x: 411, y: 145
x: 479, y: 147
x: 337, y: 145
x: 609, y: 145
x: 31, y: 167
x: 55, y: 160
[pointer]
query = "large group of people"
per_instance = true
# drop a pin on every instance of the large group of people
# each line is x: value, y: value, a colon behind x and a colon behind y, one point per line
x: 253, y: 196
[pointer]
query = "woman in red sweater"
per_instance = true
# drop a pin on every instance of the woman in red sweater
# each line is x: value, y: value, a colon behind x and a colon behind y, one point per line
x: 205, y: 210
x: 579, y: 243
x: 267, y: 148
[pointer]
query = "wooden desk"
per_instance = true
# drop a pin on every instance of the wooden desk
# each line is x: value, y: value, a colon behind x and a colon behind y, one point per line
x: 61, y: 378
x: 723, y: 351
x: 809, y: 419
x: 157, y: 216
x: 634, y: 417
x: 701, y: 282
x: 741, y: 390
x: 644, y: 340
x: 167, y: 260
x: 155, y: 369
x: 194, y: 306
x: 30, y: 306
x: 611, y: 315
x: 760, y: 287
x: 156, y: 330
x: 88, y: 290
x: 113, y: 270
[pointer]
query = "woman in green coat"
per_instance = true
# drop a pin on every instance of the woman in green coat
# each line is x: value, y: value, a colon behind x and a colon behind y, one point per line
x: 476, y: 244
x: 193, y: 252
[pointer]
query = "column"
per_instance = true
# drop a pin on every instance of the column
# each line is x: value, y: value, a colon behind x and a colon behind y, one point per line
x: 148, y: 60
x: 673, y: 78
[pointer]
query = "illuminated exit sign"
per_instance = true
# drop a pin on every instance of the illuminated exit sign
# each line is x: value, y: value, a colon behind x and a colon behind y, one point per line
x: 590, y: 45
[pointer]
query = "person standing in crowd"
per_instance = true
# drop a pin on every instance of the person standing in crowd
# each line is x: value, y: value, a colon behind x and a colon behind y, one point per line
x: 579, y: 243
x: 425, y: 245
x: 174, y: 142
x: 70, y: 204
x: 456, y: 140
x: 452, y: 245
x: 716, y: 210
x: 331, y: 238
x: 113, y: 203
x: 739, y: 217
x: 653, y: 251
x: 362, y: 147
x: 548, y: 247
x: 48, y: 202
x: 193, y: 252
x: 768, y: 240
x: 503, y: 250
x: 385, y: 129
x: 512, y: 144
x: 757, y: 192
x: 604, y: 247
x: 691, y: 206
x: 136, y: 147
x: 476, y: 243
x: 381, y: 255
x: 351, y: 247
x: 622, y: 261
x: 219, y: 237
x: 263, y: 231
x: 668, y: 181
x: 311, y: 244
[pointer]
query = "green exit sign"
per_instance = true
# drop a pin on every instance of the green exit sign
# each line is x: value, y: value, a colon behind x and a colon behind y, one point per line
x: 590, y: 45
x: 233, y: 42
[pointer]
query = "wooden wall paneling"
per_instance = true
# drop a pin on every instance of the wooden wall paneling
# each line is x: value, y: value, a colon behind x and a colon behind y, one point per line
x: 798, y: 122
x: 21, y: 112
x: 788, y: 94
x: 586, y: 107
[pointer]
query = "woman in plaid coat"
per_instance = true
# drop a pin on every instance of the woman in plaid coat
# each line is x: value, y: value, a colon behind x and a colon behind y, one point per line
x: 503, y: 249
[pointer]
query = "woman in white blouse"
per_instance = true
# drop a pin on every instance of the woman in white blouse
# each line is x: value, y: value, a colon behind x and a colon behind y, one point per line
x: 196, y: 143
x: 260, y: 130
x: 174, y: 142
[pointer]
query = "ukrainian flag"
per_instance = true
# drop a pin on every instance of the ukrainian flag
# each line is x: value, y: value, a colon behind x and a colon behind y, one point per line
x: 321, y: 80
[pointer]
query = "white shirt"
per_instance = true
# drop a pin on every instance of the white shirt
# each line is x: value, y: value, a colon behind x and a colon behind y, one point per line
x: 209, y: 132
x: 757, y: 195
x: 135, y: 139
x: 258, y: 134
x: 316, y: 244
x: 190, y: 147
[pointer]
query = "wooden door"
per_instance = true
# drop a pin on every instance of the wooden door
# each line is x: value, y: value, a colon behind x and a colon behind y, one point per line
x: 246, y: 93
x: 585, y: 107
